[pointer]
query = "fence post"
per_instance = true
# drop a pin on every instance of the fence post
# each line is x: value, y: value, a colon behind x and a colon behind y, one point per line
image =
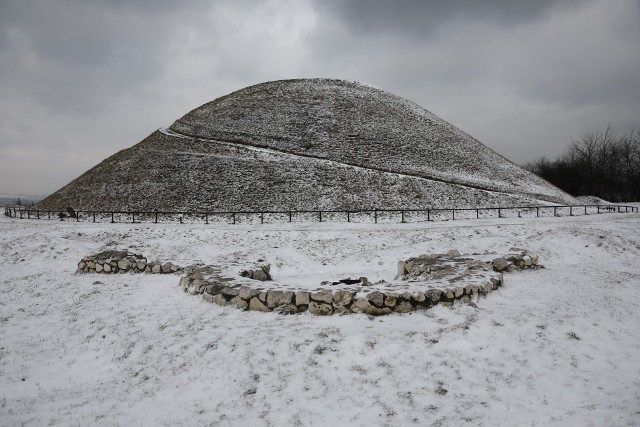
x: 133, y: 217
x: 261, y: 217
x: 206, y: 218
x: 477, y: 213
x: 555, y: 211
x: 402, y: 214
x: 94, y: 216
x: 112, y: 221
x: 499, y: 213
x: 156, y: 221
x: 78, y: 216
x: 320, y: 215
x: 570, y: 210
x: 38, y: 213
x: 233, y: 215
x: 289, y: 216
x: 375, y: 216
x: 49, y: 213
x: 348, y: 217
x: 585, y: 209
x: 537, y: 211
x: 598, y: 208
x: 453, y: 211
x: 428, y: 215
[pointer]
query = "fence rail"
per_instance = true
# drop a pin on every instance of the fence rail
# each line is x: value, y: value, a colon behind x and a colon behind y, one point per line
x: 369, y: 215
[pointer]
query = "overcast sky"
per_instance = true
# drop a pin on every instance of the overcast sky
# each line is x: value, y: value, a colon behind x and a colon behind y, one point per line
x: 83, y: 79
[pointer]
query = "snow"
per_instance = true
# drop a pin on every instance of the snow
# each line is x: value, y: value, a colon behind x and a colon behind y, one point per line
x: 558, y: 346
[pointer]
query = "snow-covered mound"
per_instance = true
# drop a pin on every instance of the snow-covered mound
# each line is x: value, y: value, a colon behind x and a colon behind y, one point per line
x: 592, y: 200
x: 306, y: 144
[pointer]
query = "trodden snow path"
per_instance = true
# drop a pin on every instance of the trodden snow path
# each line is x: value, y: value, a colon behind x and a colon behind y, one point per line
x: 558, y: 346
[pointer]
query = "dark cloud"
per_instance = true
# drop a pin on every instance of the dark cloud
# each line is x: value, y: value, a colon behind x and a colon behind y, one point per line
x: 420, y: 17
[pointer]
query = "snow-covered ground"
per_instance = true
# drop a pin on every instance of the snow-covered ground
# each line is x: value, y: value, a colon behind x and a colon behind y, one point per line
x: 558, y: 346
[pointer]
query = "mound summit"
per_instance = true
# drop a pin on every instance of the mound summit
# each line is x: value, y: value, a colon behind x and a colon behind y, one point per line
x: 305, y: 145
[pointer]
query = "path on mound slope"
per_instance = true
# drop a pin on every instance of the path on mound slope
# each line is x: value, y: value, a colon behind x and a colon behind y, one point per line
x: 271, y: 150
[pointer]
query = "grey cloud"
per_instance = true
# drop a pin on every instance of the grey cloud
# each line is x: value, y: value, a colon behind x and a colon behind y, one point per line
x: 420, y: 17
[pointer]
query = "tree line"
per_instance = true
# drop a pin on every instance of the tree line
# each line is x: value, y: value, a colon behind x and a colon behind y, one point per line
x: 599, y: 163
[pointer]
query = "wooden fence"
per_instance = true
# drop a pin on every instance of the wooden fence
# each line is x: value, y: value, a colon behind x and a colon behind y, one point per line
x: 370, y: 215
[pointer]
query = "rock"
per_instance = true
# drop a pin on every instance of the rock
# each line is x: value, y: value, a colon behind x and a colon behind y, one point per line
x: 259, y: 275
x: 363, y: 306
x: 107, y: 268
x: 256, y: 305
x: 365, y: 281
x: 166, y: 267
x: 343, y: 297
x: 124, y: 264
x: 433, y: 295
x: 262, y: 296
x: 141, y: 265
x: 99, y: 268
x: 458, y: 292
x: 276, y: 298
x: 527, y: 260
x: 450, y: 294
x: 419, y: 297
x: 391, y: 300
x: 147, y: 269
x: 320, y: 309
x: 91, y: 264
x: 401, y: 268
x: 325, y: 296
x: 156, y: 268
x: 376, y: 298
x: 207, y: 297
x: 82, y: 265
x: 453, y: 253
x: 500, y: 264
x: 404, y: 307
x: 246, y: 292
x: 534, y: 259
x: 341, y: 309
x: 229, y: 291
x: 240, y: 303
x: 302, y: 298
x: 220, y: 300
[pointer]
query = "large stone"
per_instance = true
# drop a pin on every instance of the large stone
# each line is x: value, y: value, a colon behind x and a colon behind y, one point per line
x: 376, y: 298
x: 124, y: 264
x: 141, y: 265
x: 156, y: 268
x: 401, y: 268
x: 82, y: 265
x: 99, y: 268
x: 256, y: 305
x: 320, y: 309
x: 527, y: 260
x: 434, y: 295
x: 246, y: 292
x: 91, y: 264
x: 325, y: 296
x: 166, y: 267
x: 276, y: 298
x: 107, y: 268
x: 302, y: 298
x: 419, y: 297
x: 500, y: 264
x: 458, y: 292
x: 363, y: 306
x: 343, y: 297
x: 341, y: 309
x: 232, y: 292
x: 391, y: 300
x: 240, y: 303
x: 453, y: 253
x: 404, y: 307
